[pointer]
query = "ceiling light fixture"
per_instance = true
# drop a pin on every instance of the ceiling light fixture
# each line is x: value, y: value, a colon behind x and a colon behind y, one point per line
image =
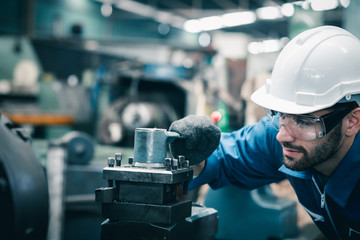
x: 193, y: 26
x: 210, y: 23
x: 269, y: 13
x: 288, y: 9
x: 136, y: 7
x: 344, y: 3
x: 106, y: 9
x: 238, y: 18
x: 323, y: 5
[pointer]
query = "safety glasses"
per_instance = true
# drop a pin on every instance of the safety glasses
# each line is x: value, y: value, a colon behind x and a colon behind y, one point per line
x: 308, y: 127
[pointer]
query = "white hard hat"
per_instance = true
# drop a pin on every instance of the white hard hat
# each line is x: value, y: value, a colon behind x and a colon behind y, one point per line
x: 317, y: 69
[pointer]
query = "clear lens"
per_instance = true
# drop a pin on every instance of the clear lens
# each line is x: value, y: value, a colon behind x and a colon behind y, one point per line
x: 299, y: 126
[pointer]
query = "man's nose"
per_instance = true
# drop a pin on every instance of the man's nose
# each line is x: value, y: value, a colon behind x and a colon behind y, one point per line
x: 283, y: 134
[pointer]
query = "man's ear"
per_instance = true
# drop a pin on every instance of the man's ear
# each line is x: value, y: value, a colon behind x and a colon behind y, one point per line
x: 352, y: 120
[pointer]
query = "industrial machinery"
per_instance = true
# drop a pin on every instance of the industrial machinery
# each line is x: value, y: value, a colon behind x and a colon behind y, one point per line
x: 24, y: 202
x: 141, y: 200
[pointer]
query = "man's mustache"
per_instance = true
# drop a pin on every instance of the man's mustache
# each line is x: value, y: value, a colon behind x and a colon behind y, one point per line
x: 293, y: 147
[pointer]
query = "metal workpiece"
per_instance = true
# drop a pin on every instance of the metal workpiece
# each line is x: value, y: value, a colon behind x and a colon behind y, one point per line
x: 150, y: 144
x: 157, y: 185
x: 105, y: 195
x: 204, y: 222
x: 151, y: 175
x: 142, y: 194
x: 147, y: 231
x: 201, y: 225
x: 150, y: 193
x: 152, y: 213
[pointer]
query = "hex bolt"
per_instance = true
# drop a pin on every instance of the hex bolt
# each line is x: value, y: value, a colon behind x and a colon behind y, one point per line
x: 175, y: 164
x: 111, y: 161
x: 186, y: 164
x: 181, y: 161
x: 118, y: 158
x: 167, y: 164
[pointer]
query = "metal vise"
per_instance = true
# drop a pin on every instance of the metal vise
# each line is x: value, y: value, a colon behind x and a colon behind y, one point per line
x: 141, y: 202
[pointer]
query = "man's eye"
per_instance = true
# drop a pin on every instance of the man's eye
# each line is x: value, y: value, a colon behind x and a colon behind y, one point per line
x: 303, y: 122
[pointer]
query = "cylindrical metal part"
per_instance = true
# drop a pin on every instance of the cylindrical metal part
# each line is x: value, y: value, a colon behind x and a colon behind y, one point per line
x: 151, y: 144
x: 118, y: 158
x: 167, y: 163
x: 187, y: 164
x: 181, y: 161
x: 175, y: 164
x: 111, y: 161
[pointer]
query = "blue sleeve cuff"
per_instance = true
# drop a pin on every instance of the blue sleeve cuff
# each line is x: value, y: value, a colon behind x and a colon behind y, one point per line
x: 208, y: 174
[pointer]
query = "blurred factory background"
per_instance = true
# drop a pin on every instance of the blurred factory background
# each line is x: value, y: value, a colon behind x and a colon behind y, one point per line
x: 81, y: 75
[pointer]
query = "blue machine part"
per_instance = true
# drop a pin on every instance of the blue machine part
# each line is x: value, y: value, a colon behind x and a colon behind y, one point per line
x: 256, y: 214
x: 167, y: 72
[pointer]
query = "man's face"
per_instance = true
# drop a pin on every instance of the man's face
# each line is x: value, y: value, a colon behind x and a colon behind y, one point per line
x: 301, y: 155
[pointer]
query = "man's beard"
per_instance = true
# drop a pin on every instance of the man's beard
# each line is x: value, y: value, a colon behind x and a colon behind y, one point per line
x: 319, y: 154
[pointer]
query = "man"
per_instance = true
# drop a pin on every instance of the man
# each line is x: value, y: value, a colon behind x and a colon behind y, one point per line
x: 310, y: 136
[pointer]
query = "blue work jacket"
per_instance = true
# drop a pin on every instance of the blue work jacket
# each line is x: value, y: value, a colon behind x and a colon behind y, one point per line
x: 252, y: 157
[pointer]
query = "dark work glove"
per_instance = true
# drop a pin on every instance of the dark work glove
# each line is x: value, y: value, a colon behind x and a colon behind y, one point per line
x: 199, y: 138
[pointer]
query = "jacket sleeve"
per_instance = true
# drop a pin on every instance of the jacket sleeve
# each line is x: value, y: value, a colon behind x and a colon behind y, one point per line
x: 248, y: 158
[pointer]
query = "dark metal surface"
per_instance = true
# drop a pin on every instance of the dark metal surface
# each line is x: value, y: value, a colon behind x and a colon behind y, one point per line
x: 150, y: 193
x: 152, y: 213
x: 151, y: 175
x: 141, y: 202
x: 204, y: 222
x: 24, y: 200
x: 145, y: 231
x: 201, y: 225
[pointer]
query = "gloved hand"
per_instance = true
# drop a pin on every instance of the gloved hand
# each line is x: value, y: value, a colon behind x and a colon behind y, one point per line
x: 199, y: 138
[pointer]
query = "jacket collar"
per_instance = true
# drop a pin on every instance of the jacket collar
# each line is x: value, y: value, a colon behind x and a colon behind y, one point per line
x: 343, y: 181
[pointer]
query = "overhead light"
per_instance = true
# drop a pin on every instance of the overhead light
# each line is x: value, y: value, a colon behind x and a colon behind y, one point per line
x: 163, y: 17
x: 210, y: 23
x: 177, y: 21
x: 204, y: 39
x: 323, y: 5
x: 287, y: 9
x: 163, y: 29
x: 269, y: 13
x: 344, y: 3
x: 193, y: 26
x: 217, y: 22
x: 203, y: 24
x: 106, y: 9
x: 267, y: 46
x: 238, y: 18
x: 136, y: 7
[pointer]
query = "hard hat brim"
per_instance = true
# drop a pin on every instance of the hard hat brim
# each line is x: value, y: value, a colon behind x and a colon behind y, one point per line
x: 266, y: 100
